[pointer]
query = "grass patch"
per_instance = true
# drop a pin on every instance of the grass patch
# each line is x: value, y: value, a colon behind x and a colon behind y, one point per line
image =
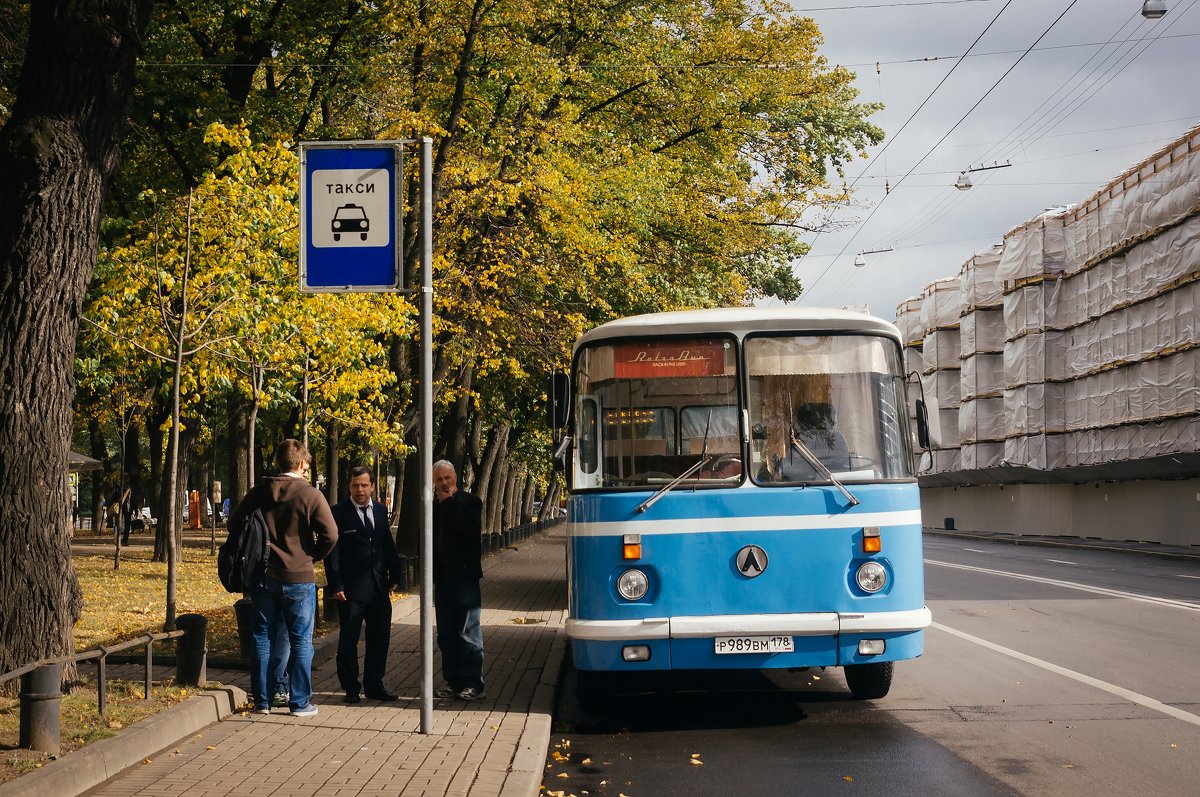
x: 122, y: 604
x: 119, y: 605
x: 81, y: 720
x: 125, y: 603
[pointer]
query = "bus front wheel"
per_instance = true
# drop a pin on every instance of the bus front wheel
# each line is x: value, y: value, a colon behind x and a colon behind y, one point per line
x: 869, y: 681
x: 594, y: 690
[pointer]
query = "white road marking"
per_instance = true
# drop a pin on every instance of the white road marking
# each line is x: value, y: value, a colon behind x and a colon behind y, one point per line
x: 1112, y: 689
x: 1060, y: 561
x: 1114, y: 593
x: 1181, y: 575
x: 974, y: 550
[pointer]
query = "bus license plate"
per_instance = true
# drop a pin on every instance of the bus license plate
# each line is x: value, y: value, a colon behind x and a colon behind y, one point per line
x: 754, y: 644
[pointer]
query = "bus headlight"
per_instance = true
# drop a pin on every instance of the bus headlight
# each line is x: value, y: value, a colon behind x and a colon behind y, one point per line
x: 632, y: 585
x: 871, y: 577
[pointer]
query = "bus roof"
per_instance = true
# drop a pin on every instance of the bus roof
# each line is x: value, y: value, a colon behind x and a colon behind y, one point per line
x: 740, y: 320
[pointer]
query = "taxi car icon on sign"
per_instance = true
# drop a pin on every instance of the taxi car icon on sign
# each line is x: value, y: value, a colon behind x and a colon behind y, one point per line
x: 350, y: 218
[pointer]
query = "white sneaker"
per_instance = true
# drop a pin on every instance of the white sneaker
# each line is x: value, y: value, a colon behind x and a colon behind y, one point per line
x: 262, y: 710
x: 308, y: 711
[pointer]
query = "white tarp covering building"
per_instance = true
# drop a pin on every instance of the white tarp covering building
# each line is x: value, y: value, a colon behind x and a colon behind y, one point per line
x: 1074, y: 344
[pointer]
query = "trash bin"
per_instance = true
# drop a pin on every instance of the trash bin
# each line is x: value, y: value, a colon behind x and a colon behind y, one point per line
x: 244, y: 610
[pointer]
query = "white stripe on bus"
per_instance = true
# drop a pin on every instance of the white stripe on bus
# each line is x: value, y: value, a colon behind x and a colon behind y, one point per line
x: 710, y: 525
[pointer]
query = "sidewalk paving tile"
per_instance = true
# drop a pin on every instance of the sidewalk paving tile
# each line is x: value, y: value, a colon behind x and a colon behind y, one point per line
x: 373, y: 748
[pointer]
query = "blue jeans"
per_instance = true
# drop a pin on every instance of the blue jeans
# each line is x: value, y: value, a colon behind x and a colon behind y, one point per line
x: 292, y: 607
x: 459, y: 637
x: 277, y: 673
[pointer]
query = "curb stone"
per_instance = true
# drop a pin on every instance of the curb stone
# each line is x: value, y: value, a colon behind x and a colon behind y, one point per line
x: 95, y: 763
x: 529, y: 761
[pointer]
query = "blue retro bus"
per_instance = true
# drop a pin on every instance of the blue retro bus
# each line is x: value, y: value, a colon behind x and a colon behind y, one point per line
x: 741, y: 495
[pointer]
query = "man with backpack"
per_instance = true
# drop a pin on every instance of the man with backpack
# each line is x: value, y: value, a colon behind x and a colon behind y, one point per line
x: 301, y: 531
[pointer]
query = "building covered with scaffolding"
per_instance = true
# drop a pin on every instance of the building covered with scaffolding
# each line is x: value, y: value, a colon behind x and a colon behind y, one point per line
x: 1061, y: 369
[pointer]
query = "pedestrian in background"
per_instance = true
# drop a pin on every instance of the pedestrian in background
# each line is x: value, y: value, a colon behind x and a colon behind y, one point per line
x: 302, y: 531
x: 363, y: 571
x: 457, y: 550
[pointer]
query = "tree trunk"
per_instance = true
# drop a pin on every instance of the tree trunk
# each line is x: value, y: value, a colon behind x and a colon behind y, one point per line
x: 497, y: 439
x: 58, y: 152
x: 251, y: 446
x: 497, y: 486
x: 331, y: 462
x: 408, y: 536
x: 238, y: 456
x: 157, y: 445
x: 550, y: 502
x: 398, y: 493
x: 527, y: 497
x: 99, y: 452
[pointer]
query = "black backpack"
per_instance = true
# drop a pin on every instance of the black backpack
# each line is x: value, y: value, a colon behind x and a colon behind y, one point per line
x: 242, y: 559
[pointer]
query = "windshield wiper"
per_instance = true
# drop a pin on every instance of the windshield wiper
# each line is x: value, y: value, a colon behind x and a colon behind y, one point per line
x: 824, y: 471
x: 669, y: 486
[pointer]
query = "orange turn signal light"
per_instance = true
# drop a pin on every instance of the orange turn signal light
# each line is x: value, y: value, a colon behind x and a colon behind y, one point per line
x: 631, y: 546
x: 872, y: 542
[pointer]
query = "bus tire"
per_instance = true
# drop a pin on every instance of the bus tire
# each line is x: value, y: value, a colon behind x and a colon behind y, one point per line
x: 869, y: 681
x: 593, y: 689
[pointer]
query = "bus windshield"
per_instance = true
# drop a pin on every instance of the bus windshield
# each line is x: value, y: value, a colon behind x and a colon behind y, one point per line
x: 648, y: 412
x: 838, y: 398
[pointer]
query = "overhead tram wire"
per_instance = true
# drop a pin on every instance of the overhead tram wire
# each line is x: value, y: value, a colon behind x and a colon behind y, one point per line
x: 951, y: 130
x: 1093, y: 89
x: 952, y: 200
x: 896, y: 135
x: 1056, y: 115
x: 1031, y: 131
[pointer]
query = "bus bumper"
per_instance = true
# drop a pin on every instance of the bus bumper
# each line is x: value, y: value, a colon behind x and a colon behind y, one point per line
x: 822, y: 639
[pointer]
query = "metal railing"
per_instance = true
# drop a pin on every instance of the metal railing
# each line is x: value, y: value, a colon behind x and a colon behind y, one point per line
x: 41, y: 681
x: 498, y: 541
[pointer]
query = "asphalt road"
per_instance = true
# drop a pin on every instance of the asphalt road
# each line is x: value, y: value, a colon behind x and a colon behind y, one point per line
x: 1047, y: 672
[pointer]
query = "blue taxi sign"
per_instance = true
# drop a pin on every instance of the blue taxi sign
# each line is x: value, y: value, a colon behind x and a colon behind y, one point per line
x: 351, y: 238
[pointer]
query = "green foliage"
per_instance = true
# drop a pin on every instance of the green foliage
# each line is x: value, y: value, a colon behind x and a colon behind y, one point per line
x: 592, y: 160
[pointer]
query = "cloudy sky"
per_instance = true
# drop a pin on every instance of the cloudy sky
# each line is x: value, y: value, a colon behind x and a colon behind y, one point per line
x: 1070, y: 92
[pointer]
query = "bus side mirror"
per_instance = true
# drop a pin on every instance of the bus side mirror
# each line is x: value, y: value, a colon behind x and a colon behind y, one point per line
x: 558, y: 400
x: 922, y: 425
x: 562, y: 455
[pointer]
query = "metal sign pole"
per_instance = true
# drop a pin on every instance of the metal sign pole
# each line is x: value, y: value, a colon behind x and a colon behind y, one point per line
x: 426, y: 441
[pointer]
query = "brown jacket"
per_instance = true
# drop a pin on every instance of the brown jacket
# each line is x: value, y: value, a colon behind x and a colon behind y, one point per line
x: 302, y: 528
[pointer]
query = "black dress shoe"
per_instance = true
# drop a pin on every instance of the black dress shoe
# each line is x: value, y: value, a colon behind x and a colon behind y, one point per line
x: 352, y: 697
x: 386, y: 697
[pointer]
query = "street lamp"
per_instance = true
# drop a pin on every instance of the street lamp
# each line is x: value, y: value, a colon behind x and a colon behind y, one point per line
x: 1154, y: 9
x: 860, y: 259
x: 964, y: 178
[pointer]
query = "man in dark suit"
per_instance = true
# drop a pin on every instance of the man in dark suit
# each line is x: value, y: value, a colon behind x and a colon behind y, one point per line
x: 363, y: 570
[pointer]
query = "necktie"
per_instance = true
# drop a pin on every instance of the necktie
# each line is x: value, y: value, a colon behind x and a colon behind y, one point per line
x: 366, y: 516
